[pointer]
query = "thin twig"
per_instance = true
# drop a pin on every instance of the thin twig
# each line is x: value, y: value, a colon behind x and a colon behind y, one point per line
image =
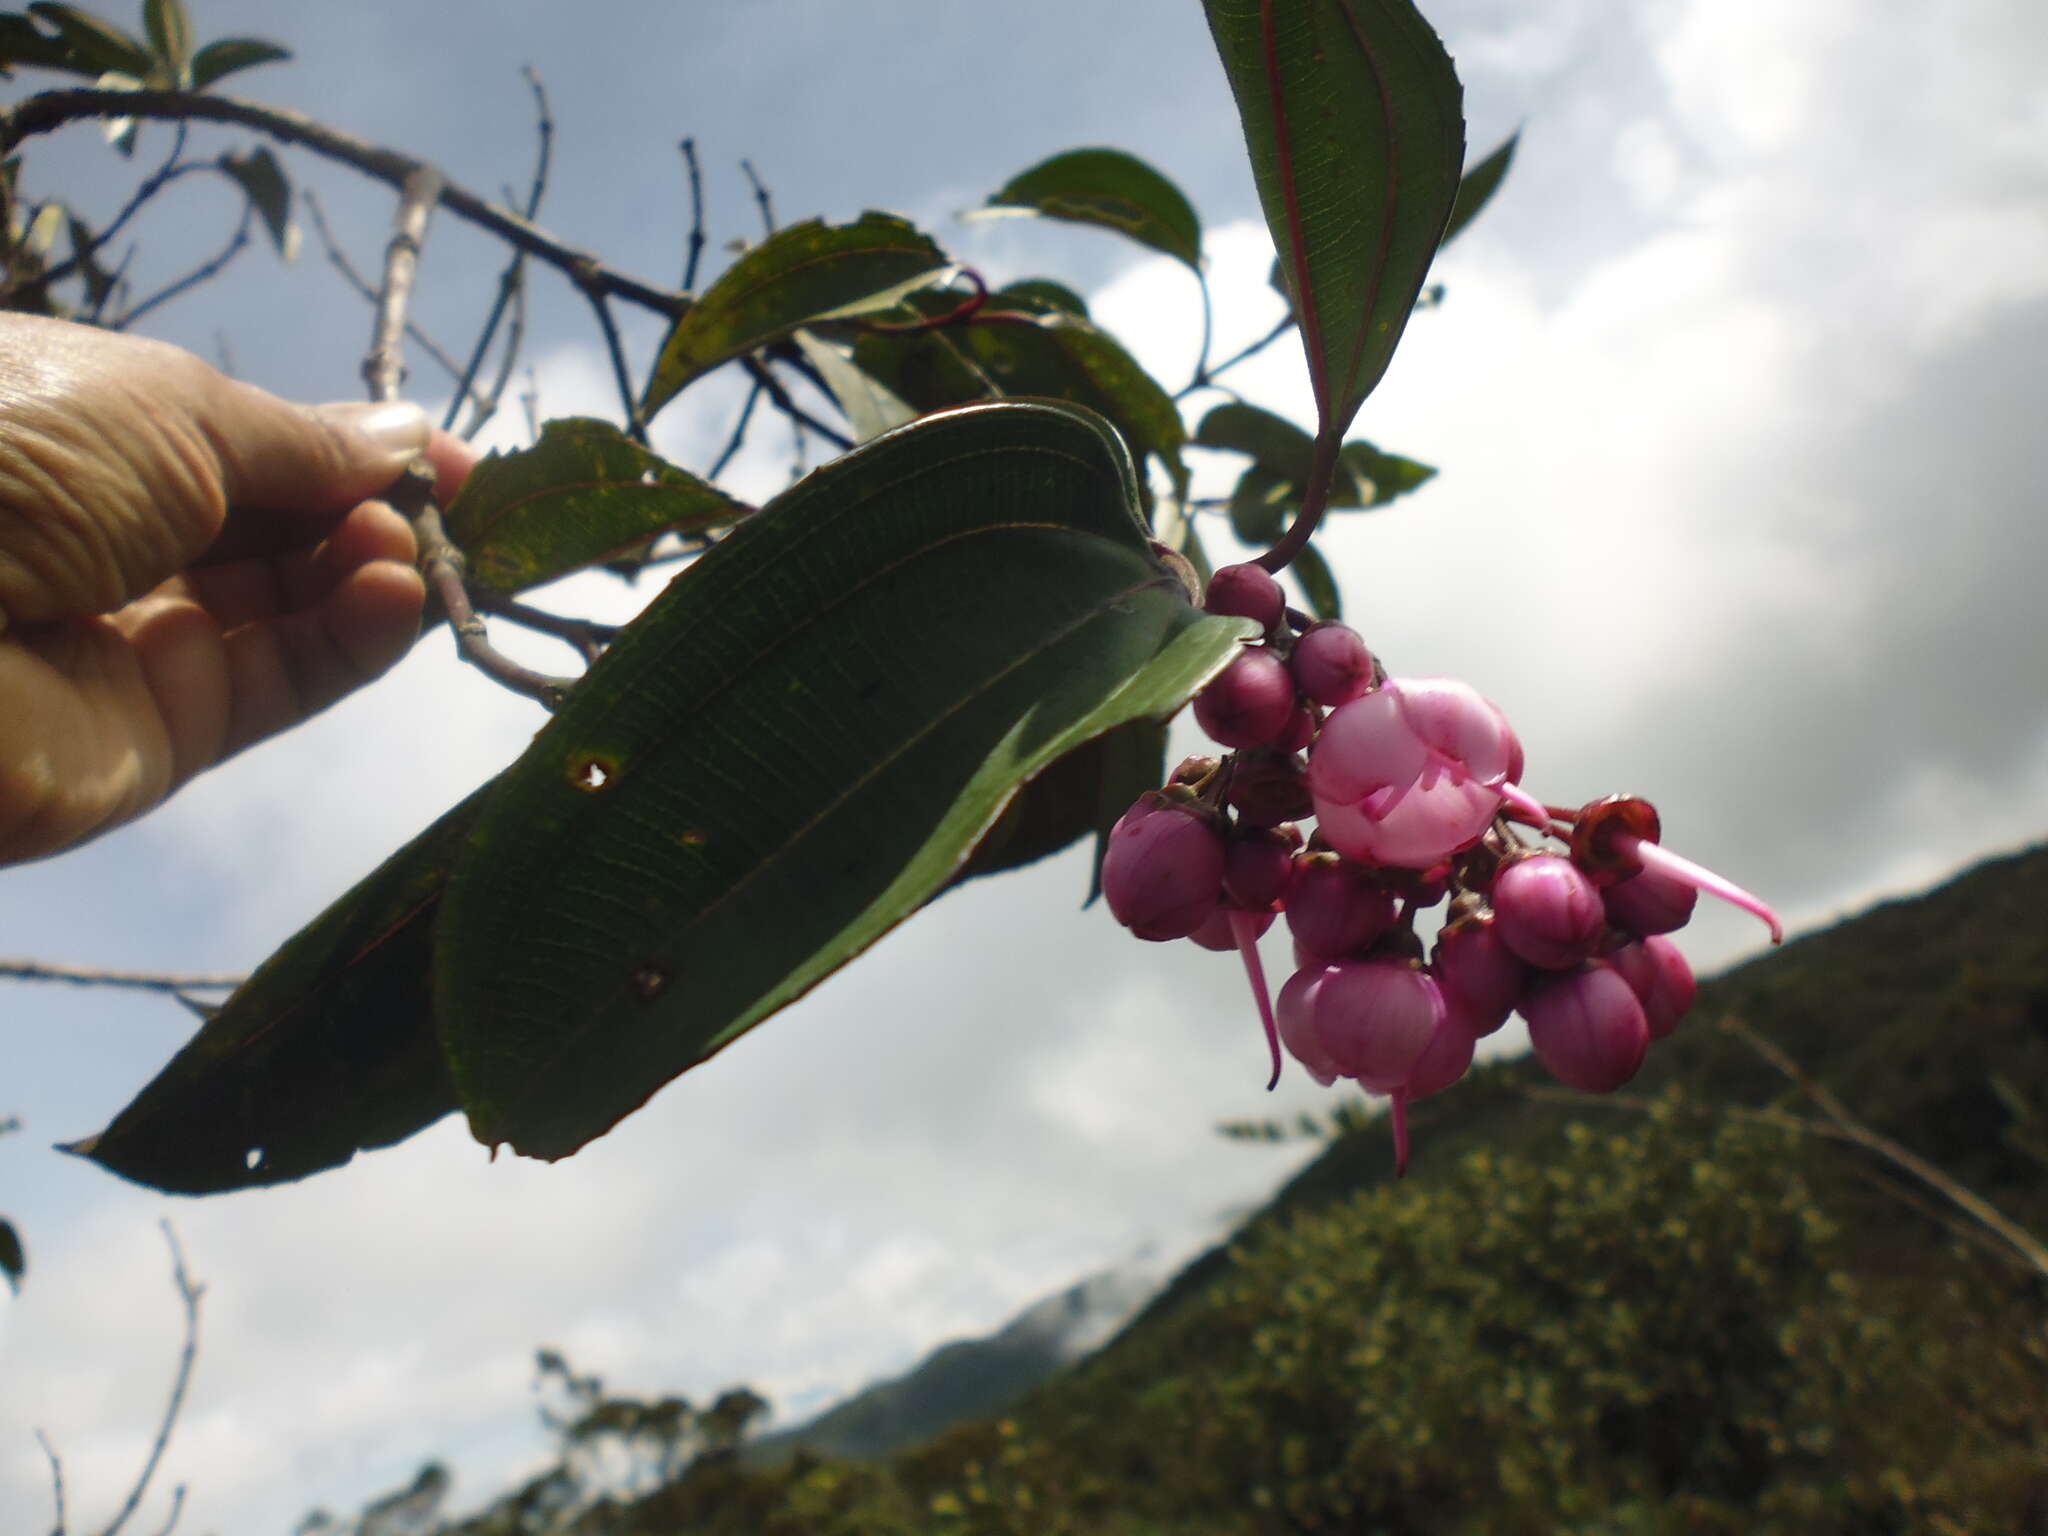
x: 1892, y: 1189
x: 205, y: 271
x: 189, y: 1294
x: 696, y: 176
x: 150, y: 185
x: 1201, y: 374
x: 1542, y: 1094
x: 177, y: 1508
x: 622, y: 373
x: 384, y: 368
x: 508, y: 359
x: 1285, y: 324
x: 444, y: 568
x: 779, y: 398
x: 544, y: 131
x: 50, y: 110
x: 529, y: 400
x: 739, y: 431
x: 56, y: 1481
x: 339, y: 259
x: 587, y: 636
x: 2021, y: 1241
x: 511, y: 283
x: 760, y: 197
x: 98, y: 976
x: 441, y: 563
x: 117, y: 286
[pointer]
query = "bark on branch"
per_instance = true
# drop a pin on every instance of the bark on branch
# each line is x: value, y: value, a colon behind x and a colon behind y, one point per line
x: 51, y: 110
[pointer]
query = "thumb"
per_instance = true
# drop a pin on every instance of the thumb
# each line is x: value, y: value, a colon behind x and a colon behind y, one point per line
x: 289, y: 472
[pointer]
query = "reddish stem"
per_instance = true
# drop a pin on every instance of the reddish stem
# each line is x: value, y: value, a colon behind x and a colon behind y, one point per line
x: 1246, y: 930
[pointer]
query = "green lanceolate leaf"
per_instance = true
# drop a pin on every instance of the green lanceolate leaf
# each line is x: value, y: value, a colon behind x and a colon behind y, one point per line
x: 263, y: 181
x: 799, y: 744
x: 1056, y: 356
x: 1114, y: 190
x: 97, y: 280
x: 170, y: 35
x: 232, y: 55
x: 805, y: 273
x: 870, y: 406
x: 93, y: 46
x: 1353, y: 116
x: 1478, y: 185
x: 1045, y: 293
x: 1272, y: 441
x: 1317, y: 584
x: 327, y: 1050
x: 1068, y: 800
x: 926, y: 369
x: 23, y: 42
x: 1368, y: 478
x: 584, y: 493
x: 1262, y: 504
x: 13, y: 1256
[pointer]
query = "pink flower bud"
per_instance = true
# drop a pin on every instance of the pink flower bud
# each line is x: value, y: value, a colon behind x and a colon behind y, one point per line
x: 1333, y: 909
x: 1301, y: 730
x: 1218, y: 933
x: 1248, y: 592
x: 1619, y: 836
x: 1258, y: 867
x: 1296, y: 1012
x: 1480, y: 977
x: 1331, y: 664
x: 1651, y: 902
x: 1267, y: 788
x: 1412, y: 772
x: 1250, y: 703
x: 1547, y: 912
x: 1162, y: 873
x: 1660, y: 978
x: 1446, y: 1058
x: 1587, y: 1027
x: 1374, y: 1019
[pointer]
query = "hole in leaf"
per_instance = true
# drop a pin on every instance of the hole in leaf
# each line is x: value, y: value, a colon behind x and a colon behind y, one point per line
x: 650, y: 981
x: 592, y: 773
x: 253, y: 1159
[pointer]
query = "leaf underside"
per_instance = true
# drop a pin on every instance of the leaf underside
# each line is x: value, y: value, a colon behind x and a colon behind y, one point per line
x: 329, y: 1049
x: 1113, y: 190
x: 797, y: 746
x: 805, y: 273
x: 585, y: 493
x: 1353, y: 117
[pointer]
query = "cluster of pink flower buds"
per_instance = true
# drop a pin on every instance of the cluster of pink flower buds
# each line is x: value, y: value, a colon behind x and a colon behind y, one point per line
x: 1413, y: 784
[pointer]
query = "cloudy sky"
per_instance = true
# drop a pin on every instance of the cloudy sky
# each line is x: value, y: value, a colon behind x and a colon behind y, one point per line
x: 1736, y: 396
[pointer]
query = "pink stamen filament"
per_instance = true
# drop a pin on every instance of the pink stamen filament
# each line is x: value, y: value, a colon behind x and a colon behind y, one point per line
x: 1382, y: 801
x: 1400, y: 1113
x: 1245, y: 927
x: 1518, y: 799
x: 1655, y: 856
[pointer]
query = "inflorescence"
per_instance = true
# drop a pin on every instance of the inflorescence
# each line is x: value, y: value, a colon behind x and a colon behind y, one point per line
x: 1414, y: 787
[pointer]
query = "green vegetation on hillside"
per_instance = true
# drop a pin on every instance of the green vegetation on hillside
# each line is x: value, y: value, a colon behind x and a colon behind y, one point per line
x: 1684, y: 1309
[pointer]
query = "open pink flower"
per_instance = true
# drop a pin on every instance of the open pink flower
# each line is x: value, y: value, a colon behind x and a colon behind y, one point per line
x: 1413, y: 772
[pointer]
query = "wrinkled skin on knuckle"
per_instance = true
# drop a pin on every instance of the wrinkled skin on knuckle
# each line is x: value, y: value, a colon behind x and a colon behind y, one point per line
x: 106, y: 484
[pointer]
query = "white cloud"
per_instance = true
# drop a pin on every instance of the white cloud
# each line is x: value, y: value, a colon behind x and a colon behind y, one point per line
x: 1727, y: 516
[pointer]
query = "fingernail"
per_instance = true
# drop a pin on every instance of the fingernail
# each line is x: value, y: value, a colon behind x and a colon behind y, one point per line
x: 398, y: 427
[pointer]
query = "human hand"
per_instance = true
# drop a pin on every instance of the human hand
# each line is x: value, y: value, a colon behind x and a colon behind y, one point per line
x: 187, y: 565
